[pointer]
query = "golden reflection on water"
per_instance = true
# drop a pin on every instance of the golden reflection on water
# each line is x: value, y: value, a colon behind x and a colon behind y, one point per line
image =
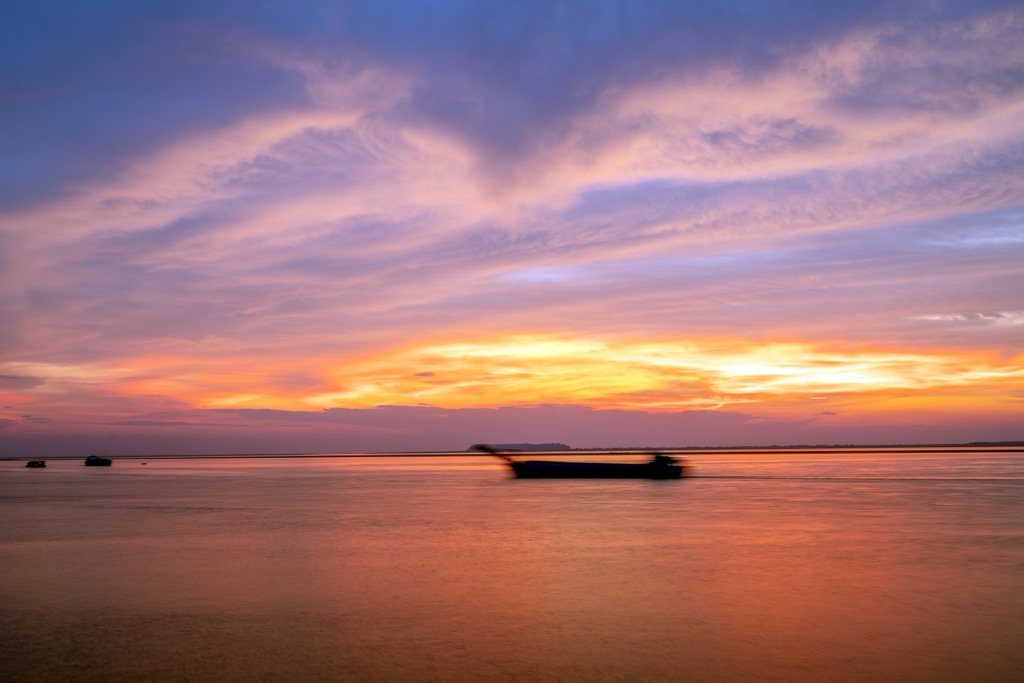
x: 780, y: 568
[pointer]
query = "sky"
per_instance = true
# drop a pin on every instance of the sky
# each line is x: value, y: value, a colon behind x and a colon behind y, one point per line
x: 392, y: 225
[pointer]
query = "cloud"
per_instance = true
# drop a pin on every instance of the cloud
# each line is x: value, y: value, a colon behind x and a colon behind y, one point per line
x: 417, y: 429
x: 135, y: 78
x: 20, y: 382
x: 222, y: 204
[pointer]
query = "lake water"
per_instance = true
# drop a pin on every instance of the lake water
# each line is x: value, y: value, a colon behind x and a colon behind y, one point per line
x: 880, y: 566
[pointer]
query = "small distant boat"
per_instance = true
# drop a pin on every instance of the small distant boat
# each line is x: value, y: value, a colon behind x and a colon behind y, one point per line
x: 96, y: 461
x: 35, y: 464
x: 660, y: 466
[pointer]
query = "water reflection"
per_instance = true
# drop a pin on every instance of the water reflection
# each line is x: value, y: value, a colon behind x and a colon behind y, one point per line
x: 865, y: 567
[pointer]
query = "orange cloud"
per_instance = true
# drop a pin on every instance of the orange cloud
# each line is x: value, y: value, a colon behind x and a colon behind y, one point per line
x: 664, y: 375
x: 776, y: 379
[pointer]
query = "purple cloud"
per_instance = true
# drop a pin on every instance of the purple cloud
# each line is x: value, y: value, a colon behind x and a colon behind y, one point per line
x: 186, y: 183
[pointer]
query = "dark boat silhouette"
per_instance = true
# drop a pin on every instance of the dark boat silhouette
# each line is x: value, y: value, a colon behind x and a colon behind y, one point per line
x: 96, y: 461
x: 660, y: 466
x: 35, y: 464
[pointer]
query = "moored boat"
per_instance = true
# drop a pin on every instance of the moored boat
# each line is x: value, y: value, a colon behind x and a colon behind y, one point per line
x: 35, y: 464
x: 660, y: 466
x: 96, y: 461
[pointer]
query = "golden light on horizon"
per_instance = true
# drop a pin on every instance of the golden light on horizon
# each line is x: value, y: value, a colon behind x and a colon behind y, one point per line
x: 776, y: 378
x: 653, y: 376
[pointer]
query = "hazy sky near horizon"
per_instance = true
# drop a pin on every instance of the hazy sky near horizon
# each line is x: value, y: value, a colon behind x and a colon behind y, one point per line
x: 396, y: 225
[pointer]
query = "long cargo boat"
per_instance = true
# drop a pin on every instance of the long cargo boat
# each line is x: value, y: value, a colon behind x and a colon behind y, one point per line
x: 660, y: 466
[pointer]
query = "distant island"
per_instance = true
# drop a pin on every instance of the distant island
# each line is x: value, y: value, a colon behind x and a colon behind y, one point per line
x: 526, y: 447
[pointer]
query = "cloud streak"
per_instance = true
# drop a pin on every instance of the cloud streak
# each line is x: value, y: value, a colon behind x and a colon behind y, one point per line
x: 227, y: 205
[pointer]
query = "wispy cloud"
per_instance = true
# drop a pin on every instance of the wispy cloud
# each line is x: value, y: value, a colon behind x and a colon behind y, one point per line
x: 224, y: 206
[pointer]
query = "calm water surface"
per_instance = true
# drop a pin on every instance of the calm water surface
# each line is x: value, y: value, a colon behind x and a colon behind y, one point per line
x: 763, y: 567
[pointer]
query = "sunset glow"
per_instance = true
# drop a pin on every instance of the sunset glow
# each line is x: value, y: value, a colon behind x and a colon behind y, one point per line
x: 406, y: 227
x: 654, y: 377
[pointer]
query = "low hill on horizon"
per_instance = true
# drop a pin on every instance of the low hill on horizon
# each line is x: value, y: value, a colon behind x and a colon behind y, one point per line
x: 526, y: 447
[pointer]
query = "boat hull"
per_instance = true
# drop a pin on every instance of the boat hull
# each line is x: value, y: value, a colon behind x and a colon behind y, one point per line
x: 546, y: 469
